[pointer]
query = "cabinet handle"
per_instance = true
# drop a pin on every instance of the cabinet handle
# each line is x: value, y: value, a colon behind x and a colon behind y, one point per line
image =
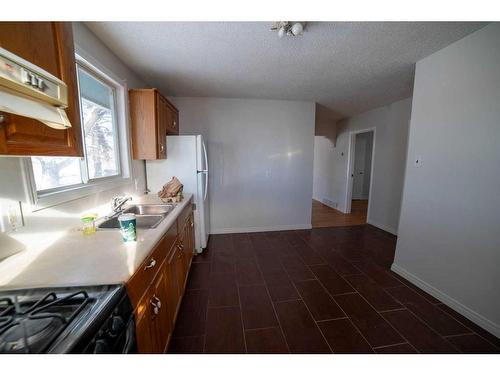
x: 156, y: 303
x: 161, y: 147
x: 2, y: 118
x: 175, y: 123
x: 192, y: 224
x: 151, y: 264
x: 156, y: 310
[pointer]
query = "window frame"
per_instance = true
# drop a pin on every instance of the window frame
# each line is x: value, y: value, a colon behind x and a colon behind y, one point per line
x: 41, y: 199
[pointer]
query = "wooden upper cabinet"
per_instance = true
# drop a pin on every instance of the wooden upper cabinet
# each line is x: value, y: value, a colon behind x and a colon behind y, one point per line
x: 48, y: 45
x: 153, y: 118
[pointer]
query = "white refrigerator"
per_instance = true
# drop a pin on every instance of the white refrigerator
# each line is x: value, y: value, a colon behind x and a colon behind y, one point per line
x: 187, y: 160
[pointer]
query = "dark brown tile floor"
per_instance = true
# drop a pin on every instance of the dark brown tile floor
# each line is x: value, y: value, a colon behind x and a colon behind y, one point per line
x: 314, y: 291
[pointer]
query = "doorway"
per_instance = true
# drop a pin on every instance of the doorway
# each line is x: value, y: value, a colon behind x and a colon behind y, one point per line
x: 360, y: 172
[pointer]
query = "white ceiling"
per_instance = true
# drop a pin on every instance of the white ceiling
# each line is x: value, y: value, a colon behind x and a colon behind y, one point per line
x: 348, y: 67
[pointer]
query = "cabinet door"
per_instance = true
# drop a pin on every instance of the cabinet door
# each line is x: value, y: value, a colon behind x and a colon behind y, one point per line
x: 161, y: 317
x: 173, y: 119
x: 175, y: 123
x: 180, y: 265
x: 163, y: 119
x: 189, y: 242
x: 173, y: 296
x: 144, y: 327
x: 48, y: 45
x: 144, y: 119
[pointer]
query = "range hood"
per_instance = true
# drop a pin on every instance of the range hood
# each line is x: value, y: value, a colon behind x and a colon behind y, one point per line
x: 27, y: 90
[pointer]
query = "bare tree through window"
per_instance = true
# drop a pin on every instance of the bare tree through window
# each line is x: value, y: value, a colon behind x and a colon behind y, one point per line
x: 99, y: 140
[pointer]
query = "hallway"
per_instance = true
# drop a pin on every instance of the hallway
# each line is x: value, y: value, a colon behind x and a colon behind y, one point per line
x: 324, y: 216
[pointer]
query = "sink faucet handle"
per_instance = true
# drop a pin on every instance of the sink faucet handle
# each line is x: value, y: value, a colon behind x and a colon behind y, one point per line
x: 118, y: 201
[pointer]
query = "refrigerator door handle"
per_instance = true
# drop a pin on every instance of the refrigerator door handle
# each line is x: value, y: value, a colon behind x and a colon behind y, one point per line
x: 206, y: 186
x: 206, y: 170
x: 205, y: 153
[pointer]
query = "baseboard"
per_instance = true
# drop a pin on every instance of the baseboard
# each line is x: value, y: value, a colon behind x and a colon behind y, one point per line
x: 470, y: 314
x: 382, y: 226
x: 259, y: 229
x: 363, y: 198
x: 327, y: 202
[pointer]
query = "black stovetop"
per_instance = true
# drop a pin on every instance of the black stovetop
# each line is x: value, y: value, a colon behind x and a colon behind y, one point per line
x: 52, y: 320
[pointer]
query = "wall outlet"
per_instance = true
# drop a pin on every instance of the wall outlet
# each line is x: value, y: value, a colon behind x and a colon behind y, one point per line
x: 418, y: 162
x: 11, y: 216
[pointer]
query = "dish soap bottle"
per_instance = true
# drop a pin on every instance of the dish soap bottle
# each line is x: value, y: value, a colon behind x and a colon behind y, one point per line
x: 88, y: 222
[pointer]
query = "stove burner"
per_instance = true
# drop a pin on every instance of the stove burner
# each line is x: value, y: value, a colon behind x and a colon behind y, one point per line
x: 27, y: 327
x: 32, y: 333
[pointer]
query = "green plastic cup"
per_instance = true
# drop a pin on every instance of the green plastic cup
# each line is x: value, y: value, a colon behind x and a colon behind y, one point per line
x: 128, y: 227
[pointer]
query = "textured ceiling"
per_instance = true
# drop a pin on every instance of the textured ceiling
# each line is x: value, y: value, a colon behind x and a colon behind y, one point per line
x: 348, y: 67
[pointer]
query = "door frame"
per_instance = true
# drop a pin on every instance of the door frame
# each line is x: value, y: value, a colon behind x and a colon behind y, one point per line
x: 350, y: 167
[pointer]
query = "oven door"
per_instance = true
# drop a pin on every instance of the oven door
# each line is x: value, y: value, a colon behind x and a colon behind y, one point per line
x: 130, y: 345
x: 124, y: 343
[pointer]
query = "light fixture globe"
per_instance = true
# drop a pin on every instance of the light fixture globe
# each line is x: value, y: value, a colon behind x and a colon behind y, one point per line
x: 297, y: 28
x: 288, y: 28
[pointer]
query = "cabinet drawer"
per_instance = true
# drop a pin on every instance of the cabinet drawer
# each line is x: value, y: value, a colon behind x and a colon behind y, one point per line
x: 143, y: 276
x: 184, y: 215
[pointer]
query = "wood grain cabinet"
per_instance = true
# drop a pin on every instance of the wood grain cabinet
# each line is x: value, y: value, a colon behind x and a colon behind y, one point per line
x: 48, y: 45
x: 153, y: 117
x: 157, y: 287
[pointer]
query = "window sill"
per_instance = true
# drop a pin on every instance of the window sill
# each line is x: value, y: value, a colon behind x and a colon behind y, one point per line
x: 77, y: 192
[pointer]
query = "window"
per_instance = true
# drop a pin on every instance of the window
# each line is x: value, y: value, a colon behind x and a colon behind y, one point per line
x: 102, y: 161
x: 98, y: 119
x: 55, y: 172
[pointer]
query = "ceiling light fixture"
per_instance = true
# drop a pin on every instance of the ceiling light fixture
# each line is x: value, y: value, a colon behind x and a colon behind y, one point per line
x: 289, y: 28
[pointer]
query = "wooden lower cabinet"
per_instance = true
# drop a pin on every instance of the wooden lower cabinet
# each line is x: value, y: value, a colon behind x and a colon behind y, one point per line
x: 144, y: 327
x: 156, y: 311
x: 180, y: 267
x: 189, y: 240
x: 163, y: 325
x: 172, y: 284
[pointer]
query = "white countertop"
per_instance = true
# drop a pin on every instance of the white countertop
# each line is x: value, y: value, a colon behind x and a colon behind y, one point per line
x: 69, y: 258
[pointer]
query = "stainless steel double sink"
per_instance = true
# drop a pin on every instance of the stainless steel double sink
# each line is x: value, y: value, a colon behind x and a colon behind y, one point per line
x: 148, y: 216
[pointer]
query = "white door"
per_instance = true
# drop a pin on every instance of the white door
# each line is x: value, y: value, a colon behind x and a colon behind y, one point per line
x: 359, y: 167
x: 361, y: 173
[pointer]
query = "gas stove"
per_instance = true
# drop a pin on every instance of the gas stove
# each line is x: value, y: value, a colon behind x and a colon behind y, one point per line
x: 66, y: 320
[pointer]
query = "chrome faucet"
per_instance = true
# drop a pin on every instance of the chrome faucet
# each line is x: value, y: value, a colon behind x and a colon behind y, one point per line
x: 118, y: 202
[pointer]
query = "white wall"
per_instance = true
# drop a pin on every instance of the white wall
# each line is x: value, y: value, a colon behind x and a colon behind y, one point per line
x: 260, y: 158
x: 449, y: 240
x: 12, y: 186
x: 330, y: 170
